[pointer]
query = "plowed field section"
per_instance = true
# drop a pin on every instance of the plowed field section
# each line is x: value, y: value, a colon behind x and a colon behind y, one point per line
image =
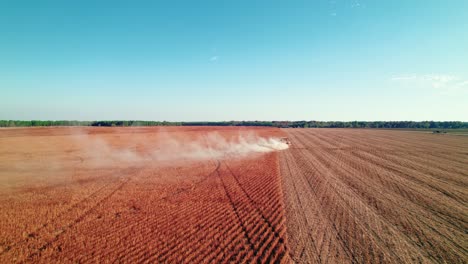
x: 373, y: 196
x: 60, y: 203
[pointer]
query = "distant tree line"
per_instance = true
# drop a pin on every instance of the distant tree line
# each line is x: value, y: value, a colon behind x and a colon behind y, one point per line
x: 104, y: 123
x: 126, y: 123
x: 375, y: 124
x: 231, y: 123
x: 29, y: 123
x: 282, y: 124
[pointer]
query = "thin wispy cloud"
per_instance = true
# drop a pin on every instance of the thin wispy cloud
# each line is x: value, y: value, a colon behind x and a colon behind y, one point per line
x: 214, y: 58
x: 332, y: 5
x: 462, y: 86
x: 344, y: 7
x: 357, y: 4
x: 435, y: 80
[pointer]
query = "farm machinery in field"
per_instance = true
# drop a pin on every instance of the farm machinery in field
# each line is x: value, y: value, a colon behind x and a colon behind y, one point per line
x: 285, y: 140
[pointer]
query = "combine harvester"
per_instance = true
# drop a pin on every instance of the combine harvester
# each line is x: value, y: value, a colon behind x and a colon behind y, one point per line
x: 285, y: 140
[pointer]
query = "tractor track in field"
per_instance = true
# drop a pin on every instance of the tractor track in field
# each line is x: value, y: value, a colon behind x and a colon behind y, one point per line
x: 251, y: 201
x: 376, y: 205
x: 241, y: 203
x: 44, y: 228
x: 410, y: 208
x: 340, y: 204
x: 77, y: 220
x: 235, y: 210
x: 343, y: 202
x: 99, y: 206
x: 40, y: 239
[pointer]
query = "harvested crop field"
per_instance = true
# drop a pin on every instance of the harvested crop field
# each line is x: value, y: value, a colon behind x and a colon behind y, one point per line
x: 140, y: 195
x: 371, y: 196
x: 232, y: 194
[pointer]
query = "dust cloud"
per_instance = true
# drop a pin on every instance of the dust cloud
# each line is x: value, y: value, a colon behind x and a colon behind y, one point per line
x: 52, y: 160
x: 214, y: 146
x: 99, y: 152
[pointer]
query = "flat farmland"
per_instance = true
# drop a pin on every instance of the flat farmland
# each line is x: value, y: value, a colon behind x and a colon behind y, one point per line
x: 232, y: 194
x: 373, y: 196
x: 155, y: 195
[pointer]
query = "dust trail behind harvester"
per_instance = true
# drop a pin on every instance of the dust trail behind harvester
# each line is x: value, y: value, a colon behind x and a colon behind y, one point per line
x: 168, y: 147
x: 214, y: 146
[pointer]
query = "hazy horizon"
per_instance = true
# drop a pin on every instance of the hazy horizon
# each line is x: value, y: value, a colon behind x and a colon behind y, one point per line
x: 243, y: 60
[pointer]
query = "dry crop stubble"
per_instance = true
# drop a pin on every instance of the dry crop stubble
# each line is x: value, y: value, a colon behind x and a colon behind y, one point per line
x: 195, y: 194
x: 386, y: 196
x: 185, y: 194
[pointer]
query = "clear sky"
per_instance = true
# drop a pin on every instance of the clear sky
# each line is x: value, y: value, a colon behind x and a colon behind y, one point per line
x: 234, y: 60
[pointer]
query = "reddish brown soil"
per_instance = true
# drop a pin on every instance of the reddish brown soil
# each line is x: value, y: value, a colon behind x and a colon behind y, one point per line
x: 98, y: 195
x: 372, y: 196
x: 77, y: 195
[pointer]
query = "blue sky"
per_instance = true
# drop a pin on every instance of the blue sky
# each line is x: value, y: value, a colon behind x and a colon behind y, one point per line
x: 234, y: 60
